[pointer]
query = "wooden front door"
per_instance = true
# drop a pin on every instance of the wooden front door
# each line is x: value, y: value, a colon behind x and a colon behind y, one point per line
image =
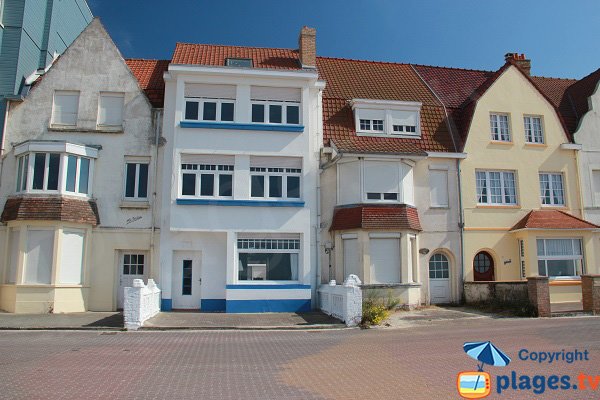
x: 483, y: 267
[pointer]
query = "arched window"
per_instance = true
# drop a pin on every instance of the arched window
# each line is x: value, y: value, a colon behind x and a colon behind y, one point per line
x: 483, y: 262
x: 439, y: 267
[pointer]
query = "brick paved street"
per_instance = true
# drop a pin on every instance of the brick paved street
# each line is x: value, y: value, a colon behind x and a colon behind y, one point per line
x: 420, y: 362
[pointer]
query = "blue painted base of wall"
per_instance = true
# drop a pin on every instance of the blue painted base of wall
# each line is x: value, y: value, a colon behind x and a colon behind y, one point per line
x: 212, y: 305
x: 166, y: 305
x: 259, y: 306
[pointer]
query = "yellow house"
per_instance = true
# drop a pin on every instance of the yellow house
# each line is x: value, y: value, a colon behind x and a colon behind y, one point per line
x: 519, y: 182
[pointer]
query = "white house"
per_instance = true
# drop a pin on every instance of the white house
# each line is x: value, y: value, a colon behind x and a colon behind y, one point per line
x: 240, y: 206
x: 77, y: 182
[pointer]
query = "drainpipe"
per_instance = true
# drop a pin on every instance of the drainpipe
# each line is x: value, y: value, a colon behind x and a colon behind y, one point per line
x: 2, y: 148
x: 461, y: 225
x: 157, y: 120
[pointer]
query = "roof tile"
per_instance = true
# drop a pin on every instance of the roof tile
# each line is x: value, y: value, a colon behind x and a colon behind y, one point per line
x: 380, y: 216
x: 552, y: 219
x: 149, y: 74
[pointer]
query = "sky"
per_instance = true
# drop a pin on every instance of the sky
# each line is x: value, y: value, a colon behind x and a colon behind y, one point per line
x: 561, y: 37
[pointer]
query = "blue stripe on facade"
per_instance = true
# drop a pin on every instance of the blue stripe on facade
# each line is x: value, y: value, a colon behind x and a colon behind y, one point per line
x: 240, y: 203
x: 213, y: 305
x: 259, y: 306
x: 261, y: 287
x: 242, y: 127
x: 166, y: 305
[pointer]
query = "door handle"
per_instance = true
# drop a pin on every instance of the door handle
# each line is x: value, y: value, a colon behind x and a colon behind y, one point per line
x: 200, y: 280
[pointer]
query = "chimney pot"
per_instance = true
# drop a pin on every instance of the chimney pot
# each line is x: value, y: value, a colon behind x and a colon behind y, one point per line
x: 520, y: 60
x: 307, y: 47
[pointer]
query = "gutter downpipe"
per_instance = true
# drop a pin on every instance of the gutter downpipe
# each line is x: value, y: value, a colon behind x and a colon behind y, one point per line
x: 461, y: 224
x: 2, y: 148
x: 319, y: 213
x: 157, y: 124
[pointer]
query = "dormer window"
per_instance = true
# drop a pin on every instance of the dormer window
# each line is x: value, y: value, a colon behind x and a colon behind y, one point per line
x: 387, y: 118
x: 239, y: 62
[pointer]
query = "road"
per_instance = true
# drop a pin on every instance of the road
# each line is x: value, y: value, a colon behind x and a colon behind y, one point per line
x: 420, y: 362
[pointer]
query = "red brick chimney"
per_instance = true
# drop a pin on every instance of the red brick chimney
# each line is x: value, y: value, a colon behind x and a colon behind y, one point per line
x: 307, y: 47
x: 520, y: 61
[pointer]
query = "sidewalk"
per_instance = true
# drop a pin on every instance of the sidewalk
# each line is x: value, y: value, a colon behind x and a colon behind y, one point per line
x: 279, y: 321
x: 76, y: 321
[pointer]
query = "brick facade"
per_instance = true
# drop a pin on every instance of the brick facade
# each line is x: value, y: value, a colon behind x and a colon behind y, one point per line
x: 539, y: 294
x: 54, y: 208
x: 590, y: 286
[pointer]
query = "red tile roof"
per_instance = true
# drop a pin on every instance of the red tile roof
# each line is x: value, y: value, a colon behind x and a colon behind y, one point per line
x: 215, y: 55
x: 54, y: 208
x: 384, y: 216
x: 552, y: 219
x: 149, y: 74
x: 355, y: 79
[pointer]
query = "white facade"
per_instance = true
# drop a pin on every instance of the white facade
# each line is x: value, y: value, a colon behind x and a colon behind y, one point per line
x: 216, y: 223
x: 588, y: 135
x: 87, y: 119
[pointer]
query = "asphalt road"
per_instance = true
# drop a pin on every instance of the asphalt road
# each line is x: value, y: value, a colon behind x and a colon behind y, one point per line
x: 420, y: 362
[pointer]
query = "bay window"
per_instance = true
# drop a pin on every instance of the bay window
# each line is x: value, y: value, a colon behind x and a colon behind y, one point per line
x: 551, y: 189
x: 268, y: 259
x: 496, y: 187
x: 559, y: 257
x: 382, y: 181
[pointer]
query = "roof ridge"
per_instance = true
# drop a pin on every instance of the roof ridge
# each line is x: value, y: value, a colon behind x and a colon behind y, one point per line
x: 573, y: 216
x: 555, y: 78
x: 454, y: 68
x: 229, y: 45
x: 362, y: 60
x: 145, y: 59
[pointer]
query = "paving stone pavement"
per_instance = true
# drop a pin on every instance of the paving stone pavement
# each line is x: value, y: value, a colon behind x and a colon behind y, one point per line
x: 413, y: 363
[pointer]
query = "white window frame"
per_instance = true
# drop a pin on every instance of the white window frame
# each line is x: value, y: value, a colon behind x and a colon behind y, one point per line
x: 284, y: 172
x: 573, y: 257
x: 550, y: 176
x: 2, y: 13
x: 360, y: 106
x: 66, y: 93
x: 137, y: 162
x: 65, y: 160
x: 267, y: 111
x: 201, y: 101
x: 270, y: 251
x: 219, y: 169
x: 104, y: 95
x: 399, y: 187
x: 371, y: 125
x: 497, y: 123
x: 530, y: 134
x: 503, y: 186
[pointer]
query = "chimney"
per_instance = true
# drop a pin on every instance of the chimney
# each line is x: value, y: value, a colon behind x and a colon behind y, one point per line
x: 307, y: 47
x: 520, y: 61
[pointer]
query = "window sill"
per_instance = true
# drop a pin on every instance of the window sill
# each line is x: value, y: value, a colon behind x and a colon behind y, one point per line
x: 439, y: 207
x: 536, y: 145
x: 131, y: 204
x: 502, y: 143
x: 241, y: 203
x: 389, y: 135
x: 242, y: 126
x: 494, y: 206
x: 72, y: 128
x: 566, y: 281
x: 551, y: 207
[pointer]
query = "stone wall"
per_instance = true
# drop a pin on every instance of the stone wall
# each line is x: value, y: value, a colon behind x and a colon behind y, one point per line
x: 501, y: 292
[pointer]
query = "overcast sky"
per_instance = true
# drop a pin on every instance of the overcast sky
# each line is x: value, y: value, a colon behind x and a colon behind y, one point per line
x: 562, y: 37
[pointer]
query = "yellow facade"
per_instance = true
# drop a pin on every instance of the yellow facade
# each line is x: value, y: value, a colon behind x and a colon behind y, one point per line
x: 488, y: 227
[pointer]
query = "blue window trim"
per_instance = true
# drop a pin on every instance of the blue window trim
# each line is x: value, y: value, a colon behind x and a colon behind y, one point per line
x: 240, y: 203
x: 267, y: 286
x: 242, y: 127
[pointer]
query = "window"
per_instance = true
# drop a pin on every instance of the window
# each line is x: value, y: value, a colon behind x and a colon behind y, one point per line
x: 136, y: 181
x: 275, y: 183
x: 71, y: 257
x: 133, y: 264
x: 275, y: 105
x: 46, y: 169
x: 499, y: 127
x: 496, y: 187
x: 66, y: 106
x: 438, y: 192
x: 559, y: 257
x: 206, y: 180
x: 186, y: 278
x: 394, y: 118
x: 239, y: 62
x: 78, y: 174
x: 40, y: 251
x: 206, y: 102
x: 439, y: 267
x: 482, y: 263
x: 268, y: 259
x: 110, y: 109
x: 595, y: 173
x: 533, y: 129
x: 22, y: 172
x: 382, y: 181
x: 551, y: 189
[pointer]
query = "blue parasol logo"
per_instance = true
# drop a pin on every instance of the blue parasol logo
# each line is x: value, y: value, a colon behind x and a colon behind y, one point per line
x: 486, y: 353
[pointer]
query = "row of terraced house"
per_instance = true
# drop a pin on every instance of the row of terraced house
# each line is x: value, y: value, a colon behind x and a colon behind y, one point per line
x: 241, y: 179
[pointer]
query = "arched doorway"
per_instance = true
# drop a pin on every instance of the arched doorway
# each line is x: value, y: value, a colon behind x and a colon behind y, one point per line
x: 483, y: 267
x: 439, y: 279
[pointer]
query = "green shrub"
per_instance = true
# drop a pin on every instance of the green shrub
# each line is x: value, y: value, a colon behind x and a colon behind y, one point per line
x: 374, y: 312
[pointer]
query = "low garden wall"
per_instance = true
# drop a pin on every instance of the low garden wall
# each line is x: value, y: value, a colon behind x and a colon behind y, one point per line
x: 499, y: 292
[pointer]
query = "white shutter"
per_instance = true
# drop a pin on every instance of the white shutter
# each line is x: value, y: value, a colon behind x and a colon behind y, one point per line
x: 276, y: 162
x: 352, y: 263
x: 371, y: 114
x: 111, y: 109
x: 438, y: 188
x: 71, y: 260
x: 217, y: 159
x: 385, y: 260
x: 210, y: 91
x: 596, y: 186
x: 275, y: 94
x: 11, y: 276
x: 381, y: 177
x: 66, y: 106
x: 404, y: 118
x: 40, y: 252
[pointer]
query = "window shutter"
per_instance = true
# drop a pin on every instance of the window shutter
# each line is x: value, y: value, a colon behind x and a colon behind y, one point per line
x: 381, y: 177
x: 276, y: 162
x: 111, y: 110
x: 66, y: 105
x: 217, y: 159
x: 40, y: 250
x: 404, y: 118
x: 371, y: 114
x: 71, y: 257
x: 275, y: 94
x: 438, y: 181
x: 596, y: 186
x: 210, y: 91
